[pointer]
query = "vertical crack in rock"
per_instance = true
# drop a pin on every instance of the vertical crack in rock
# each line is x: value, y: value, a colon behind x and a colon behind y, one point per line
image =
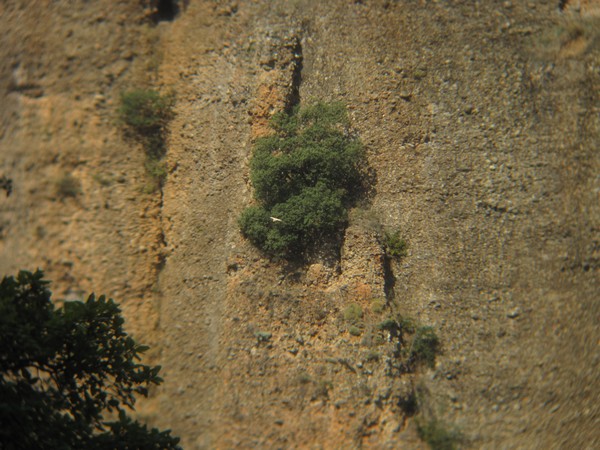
x: 278, y: 88
x: 389, y: 280
x: 293, y: 98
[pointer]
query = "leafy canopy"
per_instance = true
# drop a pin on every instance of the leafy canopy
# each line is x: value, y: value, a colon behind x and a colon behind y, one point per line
x: 306, y: 175
x: 62, y: 369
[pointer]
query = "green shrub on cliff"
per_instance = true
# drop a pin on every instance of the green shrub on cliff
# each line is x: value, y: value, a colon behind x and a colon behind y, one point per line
x: 305, y: 176
x: 394, y: 245
x: 424, y: 347
x: 68, y: 186
x: 438, y: 435
x: 145, y: 115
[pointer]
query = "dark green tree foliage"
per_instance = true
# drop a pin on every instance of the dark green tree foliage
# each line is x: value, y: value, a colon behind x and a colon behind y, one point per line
x: 306, y: 175
x: 62, y: 369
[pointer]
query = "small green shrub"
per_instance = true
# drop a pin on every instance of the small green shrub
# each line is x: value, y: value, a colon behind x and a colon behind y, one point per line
x: 353, y: 313
x: 354, y: 330
x: 40, y: 232
x: 378, y: 305
x: 420, y: 73
x: 389, y: 324
x: 157, y: 170
x: 102, y: 180
x: 303, y: 378
x: 263, y: 336
x: 424, y: 346
x: 305, y: 176
x: 378, y: 340
x: 372, y: 356
x: 438, y: 435
x: 322, y: 389
x: 394, y: 245
x: 146, y: 114
x: 68, y: 186
x: 407, y: 324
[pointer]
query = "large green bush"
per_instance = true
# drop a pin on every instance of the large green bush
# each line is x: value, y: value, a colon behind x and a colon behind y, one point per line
x: 305, y: 176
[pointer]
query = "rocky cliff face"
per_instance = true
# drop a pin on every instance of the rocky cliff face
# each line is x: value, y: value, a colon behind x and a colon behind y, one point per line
x: 481, y: 124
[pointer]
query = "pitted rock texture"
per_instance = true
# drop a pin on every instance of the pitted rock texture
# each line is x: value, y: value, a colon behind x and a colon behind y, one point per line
x: 480, y: 122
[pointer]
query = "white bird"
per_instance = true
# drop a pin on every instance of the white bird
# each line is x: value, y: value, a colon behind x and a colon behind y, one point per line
x: 275, y: 219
